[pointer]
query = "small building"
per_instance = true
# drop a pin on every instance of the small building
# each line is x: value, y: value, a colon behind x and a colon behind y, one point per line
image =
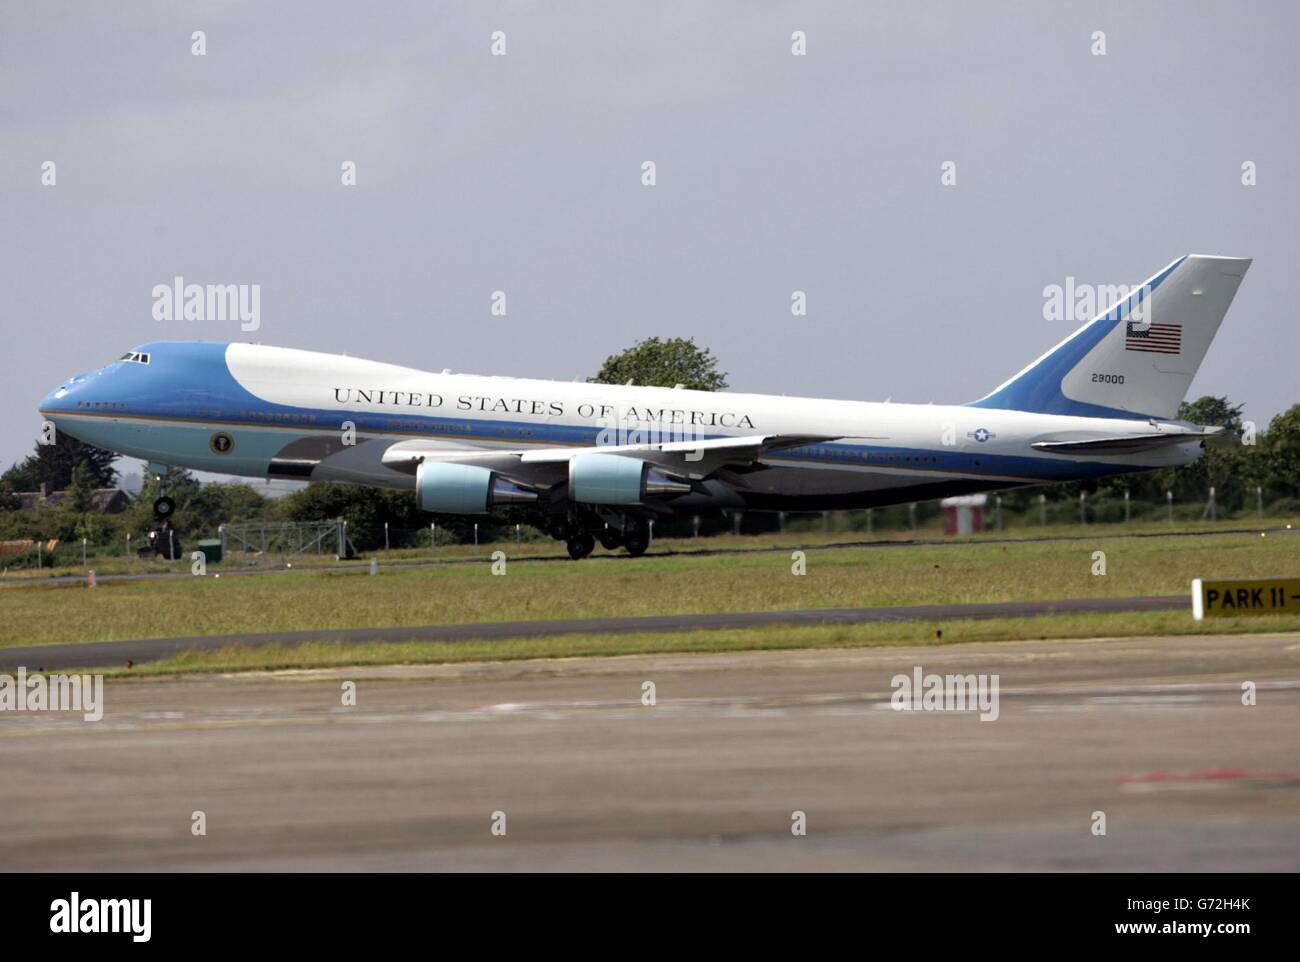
x: 964, y: 514
x: 102, y: 500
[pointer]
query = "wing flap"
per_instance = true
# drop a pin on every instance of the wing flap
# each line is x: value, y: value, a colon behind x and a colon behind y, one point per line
x: 692, y: 459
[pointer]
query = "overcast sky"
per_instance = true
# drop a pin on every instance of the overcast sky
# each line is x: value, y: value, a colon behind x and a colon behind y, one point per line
x: 522, y: 173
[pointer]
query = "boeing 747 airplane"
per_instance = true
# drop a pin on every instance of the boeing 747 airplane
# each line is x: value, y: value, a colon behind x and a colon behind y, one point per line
x: 600, y: 461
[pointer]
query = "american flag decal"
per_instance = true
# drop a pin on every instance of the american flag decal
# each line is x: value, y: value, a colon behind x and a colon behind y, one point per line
x: 1157, y: 338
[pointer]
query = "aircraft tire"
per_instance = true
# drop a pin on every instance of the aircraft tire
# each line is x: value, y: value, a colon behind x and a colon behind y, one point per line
x: 580, y: 546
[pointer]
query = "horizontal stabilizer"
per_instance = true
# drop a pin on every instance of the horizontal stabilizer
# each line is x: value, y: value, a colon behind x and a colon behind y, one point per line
x: 1128, y: 444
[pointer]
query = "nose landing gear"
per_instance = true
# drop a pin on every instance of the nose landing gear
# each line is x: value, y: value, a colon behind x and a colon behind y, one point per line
x: 163, y: 506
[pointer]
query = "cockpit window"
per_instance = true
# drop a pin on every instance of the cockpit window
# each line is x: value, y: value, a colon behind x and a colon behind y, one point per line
x: 135, y: 357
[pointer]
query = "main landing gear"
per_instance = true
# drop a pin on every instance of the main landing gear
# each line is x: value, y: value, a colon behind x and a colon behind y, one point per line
x: 636, y: 538
x: 580, y: 545
x: 580, y: 539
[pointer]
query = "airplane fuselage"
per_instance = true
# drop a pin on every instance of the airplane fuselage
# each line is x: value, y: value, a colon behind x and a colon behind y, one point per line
x: 260, y: 411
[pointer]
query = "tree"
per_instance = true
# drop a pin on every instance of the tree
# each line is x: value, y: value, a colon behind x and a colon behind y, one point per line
x: 54, y: 464
x: 1223, y: 463
x: 1282, y: 446
x: 1213, y: 411
x: 80, y: 489
x: 657, y: 363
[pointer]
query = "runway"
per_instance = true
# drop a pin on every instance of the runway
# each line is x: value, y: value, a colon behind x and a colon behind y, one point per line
x: 97, y: 654
x: 1150, y: 731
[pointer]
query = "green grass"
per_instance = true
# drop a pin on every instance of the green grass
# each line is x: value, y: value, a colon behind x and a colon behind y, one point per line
x: 326, y: 654
x: 107, y: 562
x: 616, y: 585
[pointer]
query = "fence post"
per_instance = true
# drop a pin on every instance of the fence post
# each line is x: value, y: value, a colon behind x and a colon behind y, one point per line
x: 869, y: 519
x: 1169, y: 503
x: 1211, y: 508
x: 83, y: 552
x: 911, y: 515
x: 1083, y: 507
x: 1259, y: 500
x: 1042, y: 510
x: 385, y: 535
x: 433, y: 537
x: 997, y: 510
x: 695, y: 527
x: 1126, y: 508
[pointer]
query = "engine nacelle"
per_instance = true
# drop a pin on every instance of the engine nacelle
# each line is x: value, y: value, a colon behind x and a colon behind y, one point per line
x: 448, y: 488
x: 596, y: 478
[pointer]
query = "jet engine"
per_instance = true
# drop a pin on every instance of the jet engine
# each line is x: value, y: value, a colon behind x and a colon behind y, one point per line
x: 449, y: 488
x: 596, y: 478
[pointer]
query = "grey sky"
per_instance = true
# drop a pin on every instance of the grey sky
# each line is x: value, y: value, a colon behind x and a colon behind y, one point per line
x: 522, y: 173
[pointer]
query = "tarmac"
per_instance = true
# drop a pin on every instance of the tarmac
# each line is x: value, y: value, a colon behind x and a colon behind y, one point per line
x: 1146, y: 737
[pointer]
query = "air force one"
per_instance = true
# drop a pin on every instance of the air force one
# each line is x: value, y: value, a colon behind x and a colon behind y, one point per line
x: 597, y: 461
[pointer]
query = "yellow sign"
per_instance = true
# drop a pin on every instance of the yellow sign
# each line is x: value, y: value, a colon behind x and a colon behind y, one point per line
x: 1248, y: 596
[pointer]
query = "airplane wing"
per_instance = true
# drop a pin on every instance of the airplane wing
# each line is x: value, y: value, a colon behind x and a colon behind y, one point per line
x: 693, y: 460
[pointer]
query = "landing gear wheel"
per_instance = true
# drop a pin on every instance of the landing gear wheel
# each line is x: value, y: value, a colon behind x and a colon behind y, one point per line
x: 164, y: 508
x: 610, y: 539
x: 636, y: 539
x: 580, y: 546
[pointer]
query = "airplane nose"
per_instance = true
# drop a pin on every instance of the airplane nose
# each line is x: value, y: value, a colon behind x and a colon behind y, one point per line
x: 57, y: 400
x: 62, y: 398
